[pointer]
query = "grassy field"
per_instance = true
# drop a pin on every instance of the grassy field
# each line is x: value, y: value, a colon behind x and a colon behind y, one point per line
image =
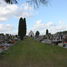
x: 31, y: 53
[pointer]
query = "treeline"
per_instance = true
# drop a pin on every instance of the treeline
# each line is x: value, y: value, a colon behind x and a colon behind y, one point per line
x: 63, y: 32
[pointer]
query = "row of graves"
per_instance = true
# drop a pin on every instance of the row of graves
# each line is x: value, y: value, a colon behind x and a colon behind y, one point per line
x: 56, y: 39
x: 59, y: 38
x: 7, y: 41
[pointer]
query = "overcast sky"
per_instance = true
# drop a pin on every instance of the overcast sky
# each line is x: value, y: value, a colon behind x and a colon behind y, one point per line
x: 52, y: 17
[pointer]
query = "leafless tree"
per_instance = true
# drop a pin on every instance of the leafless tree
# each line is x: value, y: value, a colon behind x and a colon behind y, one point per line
x: 35, y: 2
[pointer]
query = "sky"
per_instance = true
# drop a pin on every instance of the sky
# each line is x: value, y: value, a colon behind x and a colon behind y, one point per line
x: 52, y: 16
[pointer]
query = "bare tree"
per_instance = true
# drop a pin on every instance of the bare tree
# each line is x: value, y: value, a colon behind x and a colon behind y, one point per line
x: 10, y: 1
x: 35, y: 2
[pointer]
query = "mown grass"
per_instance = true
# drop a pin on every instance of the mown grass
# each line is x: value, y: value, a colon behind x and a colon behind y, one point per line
x: 31, y: 53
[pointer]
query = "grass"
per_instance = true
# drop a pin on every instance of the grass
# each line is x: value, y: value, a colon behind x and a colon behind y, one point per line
x: 31, y: 53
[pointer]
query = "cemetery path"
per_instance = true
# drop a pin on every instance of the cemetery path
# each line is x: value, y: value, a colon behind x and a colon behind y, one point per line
x: 31, y: 53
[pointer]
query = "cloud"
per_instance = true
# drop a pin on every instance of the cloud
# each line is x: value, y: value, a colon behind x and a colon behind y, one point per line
x: 7, y: 10
x: 51, y: 26
x: 4, y: 28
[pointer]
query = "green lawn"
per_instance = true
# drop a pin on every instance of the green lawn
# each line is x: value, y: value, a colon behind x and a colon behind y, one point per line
x: 31, y: 53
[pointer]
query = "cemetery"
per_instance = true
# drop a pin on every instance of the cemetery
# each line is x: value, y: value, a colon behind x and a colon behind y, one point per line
x: 33, y: 50
x: 7, y: 41
x: 59, y: 39
x: 32, y: 35
x: 32, y: 53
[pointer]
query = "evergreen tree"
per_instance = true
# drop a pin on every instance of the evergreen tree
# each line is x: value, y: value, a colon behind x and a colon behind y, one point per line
x: 22, y: 28
x: 37, y: 34
x: 47, y: 32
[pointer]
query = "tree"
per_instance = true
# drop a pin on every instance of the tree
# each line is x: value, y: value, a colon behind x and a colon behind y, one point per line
x: 11, y: 1
x: 37, y: 34
x: 22, y: 28
x: 35, y: 2
x: 47, y: 32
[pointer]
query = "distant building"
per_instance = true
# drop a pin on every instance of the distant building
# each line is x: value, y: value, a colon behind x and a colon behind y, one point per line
x: 31, y: 34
